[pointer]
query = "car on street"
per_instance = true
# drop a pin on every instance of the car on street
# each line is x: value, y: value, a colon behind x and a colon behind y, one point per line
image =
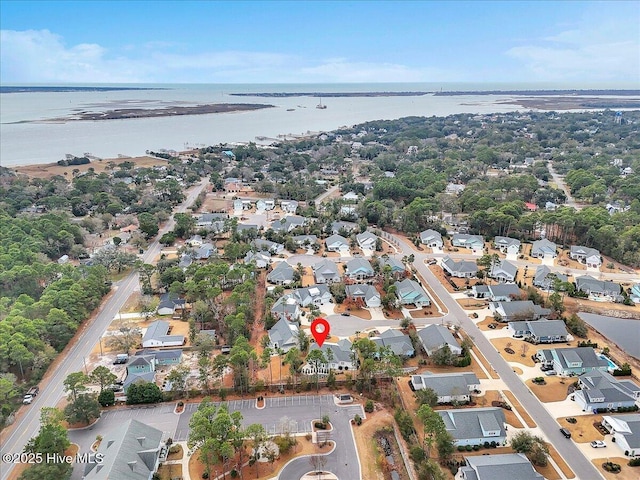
x: 346, y: 314
x: 598, y: 444
x: 565, y: 432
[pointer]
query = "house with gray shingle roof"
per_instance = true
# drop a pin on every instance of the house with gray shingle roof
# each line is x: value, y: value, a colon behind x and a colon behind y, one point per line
x: 514, y: 466
x: 286, y: 307
x: 572, y: 361
x: 162, y: 357
x: 283, y: 335
x: 507, y: 244
x: 358, y: 269
x: 504, y: 292
x: 131, y: 451
x: 170, y: 303
x: 449, y: 387
x: 541, y: 331
x: 289, y: 223
x: 544, y: 278
x: 504, y: 272
x: 431, y: 238
x: 597, y: 289
x: 157, y: 335
x: 474, y: 426
x: 460, y: 269
x: 464, y: 240
x: 600, y: 389
x: 340, y: 227
x: 289, y: 206
x: 341, y: 358
x: 262, y: 245
x: 434, y: 337
x: 367, y: 293
x: 519, y: 310
x: 544, y: 249
x: 313, y: 294
x: 367, y: 240
x: 261, y: 259
x: 626, y: 432
x: 397, y: 267
x: 304, y: 240
x: 589, y: 256
x: 205, y: 251
x: 337, y: 243
x: 399, y: 343
x: 326, y: 271
x: 409, y: 292
x: 282, y: 274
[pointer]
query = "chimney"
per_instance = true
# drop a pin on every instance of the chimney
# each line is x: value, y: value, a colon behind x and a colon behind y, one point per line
x: 141, y: 440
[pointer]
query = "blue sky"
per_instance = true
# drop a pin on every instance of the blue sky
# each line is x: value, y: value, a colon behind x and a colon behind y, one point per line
x: 319, y: 41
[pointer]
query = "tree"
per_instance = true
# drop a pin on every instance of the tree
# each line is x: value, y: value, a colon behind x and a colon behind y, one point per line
x: 107, y: 398
x: 127, y: 338
x: 103, y: 377
x: 318, y: 463
x: 443, y: 356
x: 258, y: 436
x: 427, y: 396
x: 317, y: 359
x: 84, y: 409
x: 52, y: 438
x: 178, y: 378
x: 144, y: 392
x: 148, y: 225
x: 294, y: 360
x: 532, y: 446
x: 75, y: 384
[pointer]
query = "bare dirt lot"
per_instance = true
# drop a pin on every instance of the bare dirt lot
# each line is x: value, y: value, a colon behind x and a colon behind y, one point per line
x: 626, y: 473
x: 584, y: 430
x: 555, y: 389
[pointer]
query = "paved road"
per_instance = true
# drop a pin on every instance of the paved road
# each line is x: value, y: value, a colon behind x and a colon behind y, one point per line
x: 559, y: 181
x: 582, y: 467
x: 52, y: 391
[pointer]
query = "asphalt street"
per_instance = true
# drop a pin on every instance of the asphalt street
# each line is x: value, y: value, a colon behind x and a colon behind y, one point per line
x: 51, y: 391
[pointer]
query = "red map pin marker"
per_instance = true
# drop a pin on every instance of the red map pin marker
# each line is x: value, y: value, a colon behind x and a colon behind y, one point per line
x: 320, y: 330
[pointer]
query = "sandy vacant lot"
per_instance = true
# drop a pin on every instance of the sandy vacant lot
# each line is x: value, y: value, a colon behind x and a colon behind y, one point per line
x: 584, y: 430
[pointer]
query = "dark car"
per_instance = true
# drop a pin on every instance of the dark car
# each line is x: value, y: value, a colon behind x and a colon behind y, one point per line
x: 346, y: 314
x: 566, y: 433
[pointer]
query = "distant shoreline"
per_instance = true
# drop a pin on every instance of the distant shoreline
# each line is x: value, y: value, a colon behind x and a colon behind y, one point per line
x: 441, y: 93
x: 62, y: 89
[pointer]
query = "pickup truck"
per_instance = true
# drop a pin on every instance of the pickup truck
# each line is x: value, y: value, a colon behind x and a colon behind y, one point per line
x: 30, y: 395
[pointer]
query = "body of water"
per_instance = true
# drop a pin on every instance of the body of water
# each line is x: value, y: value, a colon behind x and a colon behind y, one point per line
x: 623, y: 332
x: 28, y: 139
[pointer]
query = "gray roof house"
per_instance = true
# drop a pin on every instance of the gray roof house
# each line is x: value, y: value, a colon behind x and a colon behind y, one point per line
x: 544, y: 277
x: 367, y: 293
x: 460, y: 269
x: 326, y: 271
x: 589, y: 256
x: 207, y: 220
x: 409, y: 292
x: 162, y: 357
x: 367, y: 240
x: 283, y: 335
x: 286, y: 307
x: 313, y: 294
x: 282, y: 274
x: 544, y: 249
x: 541, y: 331
x: 358, y: 269
x: 347, y: 227
x: 449, y: 387
x: 194, y: 241
x: 289, y: 205
x: 431, y: 238
x: 504, y: 292
x: 399, y: 343
x: 597, y: 288
x: 603, y: 390
x: 518, y: 310
x: 185, y: 261
x: 572, y: 361
x: 434, y: 337
x: 302, y: 240
x: 289, y: 223
x: 464, y: 240
x: 504, y: 272
x: 341, y: 358
x: 474, y: 426
x: 507, y: 244
x: 170, y: 303
x: 626, y: 432
x: 157, y: 335
x: 205, y: 251
x: 337, y: 243
x: 261, y: 259
x: 131, y: 451
x: 262, y: 245
x: 514, y: 466
x: 397, y: 267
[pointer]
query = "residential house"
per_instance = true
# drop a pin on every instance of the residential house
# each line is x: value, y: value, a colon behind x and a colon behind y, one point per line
x: 358, y: 269
x: 504, y: 272
x: 515, y: 466
x: 351, y: 197
x: 460, y: 269
x: 343, y: 228
x: 194, y: 241
x: 289, y: 223
x: 626, y: 432
x: 141, y: 369
x: 185, y: 261
x: 589, y: 256
x: 205, y: 251
x: 544, y: 249
x: 635, y: 293
x: 474, y: 426
x: 326, y: 271
x: 262, y: 245
x: 396, y: 266
x: 247, y: 228
x: 282, y: 274
x: 454, y: 188
x: 283, y: 335
x: 573, y: 361
x: 434, y: 337
x: 431, y: 238
x: 171, y: 304
x: 337, y: 243
x: 162, y: 358
x: 261, y: 259
x: 507, y: 245
x: 367, y: 240
x: 544, y: 278
x: 464, y: 240
x: 368, y: 293
x: 601, y: 390
x: 286, y: 307
x: 305, y: 240
x: 399, y: 343
x: 314, y: 294
x: 341, y: 358
x: 518, y: 310
x: 209, y: 220
x: 265, y: 204
x: 131, y: 450
x: 597, y: 289
x: 504, y: 292
x: 289, y: 206
x: 541, y: 331
x: 409, y: 292
x: 157, y: 335
x: 449, y: 387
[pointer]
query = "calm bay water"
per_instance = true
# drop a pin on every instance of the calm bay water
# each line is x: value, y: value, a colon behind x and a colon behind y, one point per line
x: 27, y: 139
x: 622, y: 331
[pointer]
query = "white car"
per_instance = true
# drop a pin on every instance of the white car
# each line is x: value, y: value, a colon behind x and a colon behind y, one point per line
x: 598, y: 444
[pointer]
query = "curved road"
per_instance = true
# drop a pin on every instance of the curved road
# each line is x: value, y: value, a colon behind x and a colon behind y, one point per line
x: 51, y: 391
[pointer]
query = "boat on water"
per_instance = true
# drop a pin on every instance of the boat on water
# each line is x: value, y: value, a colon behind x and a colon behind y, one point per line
x: 290, y: 109
x: 320, y: 105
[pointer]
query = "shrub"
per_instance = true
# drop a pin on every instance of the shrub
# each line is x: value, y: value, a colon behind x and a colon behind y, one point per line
x: 572, y: 420
x: 634, y: 462
x: 468, y: 448
x: 487, y: 444
x: 368, y: 406
x: 106, y: 398
x: 476, y: 448
x: 417, y: 454
x: 320, y: 425
x: 493, y: 444
x: 357, y: 419
x: 461, y: 448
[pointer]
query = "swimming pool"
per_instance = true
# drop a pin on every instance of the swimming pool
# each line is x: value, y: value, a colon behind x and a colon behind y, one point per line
x: 612, y: 366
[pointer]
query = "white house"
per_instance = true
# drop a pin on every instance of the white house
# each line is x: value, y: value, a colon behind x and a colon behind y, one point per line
x: 544, y: 249
x: 463, y: 240
x: 367, y: 240
x: 431, y: 238
x: 474, y: 426
x: 314, y: 294
x: 513, y: 466
x: 449, y: 387
x: 341, y: 358
x: 589, y: 256
x: 337, y: 243
x: 261, y: 259
x: 283, y: 335
x: 157, y: 335
x: 504, y: 272
x: 368, y: 293
x: 359, y: 269
x: 434, y: 337
x: 626, y: 432
x: 507, y: 245
x: 460, y: 269
x: 326, y: 271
